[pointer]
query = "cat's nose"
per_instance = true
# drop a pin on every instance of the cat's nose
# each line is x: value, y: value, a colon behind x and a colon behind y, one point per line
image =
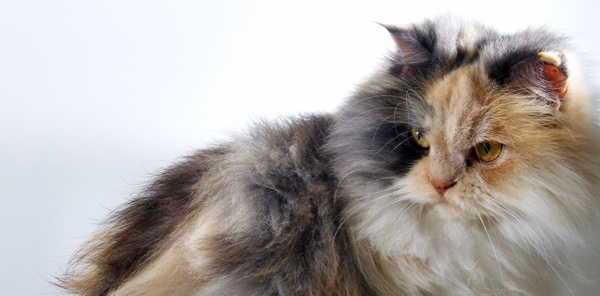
x: 442, y: 185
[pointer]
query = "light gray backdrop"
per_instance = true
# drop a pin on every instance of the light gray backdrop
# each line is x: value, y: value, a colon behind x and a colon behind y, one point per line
x: 96, y: 96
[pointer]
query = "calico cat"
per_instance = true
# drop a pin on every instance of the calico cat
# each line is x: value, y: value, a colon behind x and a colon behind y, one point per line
x: 468, y: 165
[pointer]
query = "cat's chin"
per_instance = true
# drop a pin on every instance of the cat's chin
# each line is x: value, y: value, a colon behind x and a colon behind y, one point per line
x: 448, y: 210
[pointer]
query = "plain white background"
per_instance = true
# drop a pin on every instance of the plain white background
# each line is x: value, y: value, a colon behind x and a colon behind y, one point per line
x: 97, y: 96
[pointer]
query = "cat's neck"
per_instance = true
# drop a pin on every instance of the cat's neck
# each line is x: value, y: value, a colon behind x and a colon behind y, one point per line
x: 417, y: 250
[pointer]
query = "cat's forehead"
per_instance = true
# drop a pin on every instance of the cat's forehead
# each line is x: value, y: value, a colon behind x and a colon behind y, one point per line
x: 467, y: 68
x: 454, y: 43
x: 456, y: 91
x: 459, y: 105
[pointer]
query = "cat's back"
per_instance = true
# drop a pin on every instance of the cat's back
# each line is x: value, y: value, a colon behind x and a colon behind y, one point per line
x: 255, y: 215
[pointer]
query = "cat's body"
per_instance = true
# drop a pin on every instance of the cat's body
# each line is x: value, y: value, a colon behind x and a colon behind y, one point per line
x: 467, y: 166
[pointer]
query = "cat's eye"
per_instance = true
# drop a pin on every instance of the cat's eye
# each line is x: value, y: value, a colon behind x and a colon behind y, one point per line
x: 418, y: 139
x: 487, y: 151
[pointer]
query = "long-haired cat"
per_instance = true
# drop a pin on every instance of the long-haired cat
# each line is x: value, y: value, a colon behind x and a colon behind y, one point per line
x: 468, y: 165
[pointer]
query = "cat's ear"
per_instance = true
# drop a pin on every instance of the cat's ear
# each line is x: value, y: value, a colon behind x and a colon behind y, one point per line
x: 546, y: 73
x: 409, y: 45
x: 554, y: 72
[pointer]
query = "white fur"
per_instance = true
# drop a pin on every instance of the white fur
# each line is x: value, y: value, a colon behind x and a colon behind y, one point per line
x: 465, y: 257
x: 508, y: 240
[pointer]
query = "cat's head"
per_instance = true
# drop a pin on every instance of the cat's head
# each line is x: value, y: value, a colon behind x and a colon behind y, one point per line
x: 464, y: 123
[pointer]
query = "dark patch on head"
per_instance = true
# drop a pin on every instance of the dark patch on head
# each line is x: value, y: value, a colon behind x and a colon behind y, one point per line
x: 461, y: 54
x: 464, y: 57
x: 501, y: 69
x: 509, y: 51
x: 393, y: 146
x: 373, y: 132
x: 427, y: 36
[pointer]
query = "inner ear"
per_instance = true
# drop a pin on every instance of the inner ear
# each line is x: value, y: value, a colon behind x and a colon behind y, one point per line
x: 409, y: 45
x: 554, y: 74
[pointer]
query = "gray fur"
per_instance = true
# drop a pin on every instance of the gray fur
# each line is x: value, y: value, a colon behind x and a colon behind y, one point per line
x: 298, y: 173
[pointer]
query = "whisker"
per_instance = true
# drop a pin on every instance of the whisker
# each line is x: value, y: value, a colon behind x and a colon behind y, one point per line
x: 543, y: 253
x: 493, y: 247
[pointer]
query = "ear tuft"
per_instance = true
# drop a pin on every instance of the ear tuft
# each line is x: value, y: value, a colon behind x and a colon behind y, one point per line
x: 550, y: 57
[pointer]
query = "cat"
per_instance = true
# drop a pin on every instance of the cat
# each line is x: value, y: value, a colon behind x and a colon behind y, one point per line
x: 467, y: 165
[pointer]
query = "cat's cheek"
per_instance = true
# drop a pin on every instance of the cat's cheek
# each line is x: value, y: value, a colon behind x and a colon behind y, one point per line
x: 418, y: 184
x: 466, y: 199
x: 501, y: 186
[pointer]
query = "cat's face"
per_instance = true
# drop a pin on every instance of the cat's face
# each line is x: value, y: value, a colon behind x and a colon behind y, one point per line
x: 484, y: 146
x: 467, y: 124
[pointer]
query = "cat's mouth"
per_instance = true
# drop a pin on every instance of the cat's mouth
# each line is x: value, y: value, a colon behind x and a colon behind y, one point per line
x: 447, y: 208
x: 448, y: 204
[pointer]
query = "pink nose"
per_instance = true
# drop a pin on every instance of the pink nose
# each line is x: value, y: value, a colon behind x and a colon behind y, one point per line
x: 442, y: 185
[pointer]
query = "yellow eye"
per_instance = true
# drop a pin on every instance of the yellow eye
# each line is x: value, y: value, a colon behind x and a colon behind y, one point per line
x: 487, y: 151
x: 418, y: 139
